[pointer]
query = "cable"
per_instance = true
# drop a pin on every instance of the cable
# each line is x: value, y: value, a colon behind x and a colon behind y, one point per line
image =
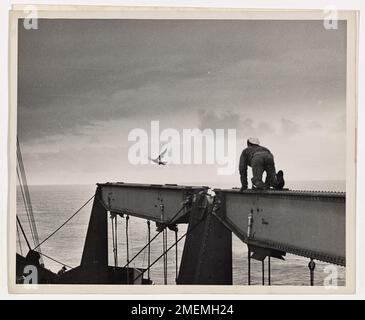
x: 19, y: 240
x: 184, y: 235
x: 113, y: 239
x: 164, y: 248
x: 25, y: 206
x: 149, y: 247
x: 149, y: 242
x: 63, y: 264
x: 27, y: 193
x: 24, y: 235
x: 26, y: 196
x: 65, y: 222
x: 176, y: 257
x: 144, y: 252
x: 116, y: 240
x: 166, y: 256
x: 127, y: 244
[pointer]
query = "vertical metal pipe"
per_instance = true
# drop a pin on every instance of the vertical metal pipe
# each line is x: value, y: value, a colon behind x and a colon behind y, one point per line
x: 269, y: 270
x: 249, y: 267
x: 113, y: 239
x: 263, y: 271
x: 176, y: 252
x: 19, y: 240
x: 116, y: 241
x: 164, y: 241
x: 127, y: 244
x: 311, y: 266
x: 164, y: 255
x: 149, y: 248
x: 24, y: 235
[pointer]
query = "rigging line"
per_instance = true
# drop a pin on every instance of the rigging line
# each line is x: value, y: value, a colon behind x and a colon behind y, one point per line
x: 144, y: 253
x: 25, y: 206
x: 24, y: 235
x: 116, y: 239
x: 27, y: 193
x: 164, y: 255
x: 176, y: 256
x: 127, y: 243
x: 63, y: 224
x: 149, y: 242
x: 19, y: 240
x: 25, y: 202
x: 130, y: 239
x: 183, y: 236
x: 113, y: 239
x: 26, y: 197
x: 138, y: 253
x: 59, y: 262
x: 149, y: 247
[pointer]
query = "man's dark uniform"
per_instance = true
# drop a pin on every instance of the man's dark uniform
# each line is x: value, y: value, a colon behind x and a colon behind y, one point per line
x: 260, y: 159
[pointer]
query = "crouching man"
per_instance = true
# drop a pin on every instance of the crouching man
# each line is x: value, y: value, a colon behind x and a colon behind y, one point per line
x: 261, y: 160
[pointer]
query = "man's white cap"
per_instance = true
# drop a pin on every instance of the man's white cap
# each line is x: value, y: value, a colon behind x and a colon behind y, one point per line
x: 254, y: 141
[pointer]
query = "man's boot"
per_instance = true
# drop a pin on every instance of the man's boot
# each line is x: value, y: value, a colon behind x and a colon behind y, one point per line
x: 280, y: 179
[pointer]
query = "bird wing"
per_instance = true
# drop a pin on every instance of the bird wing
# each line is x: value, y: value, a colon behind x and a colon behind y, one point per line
x: 163, y: 152
x: 153, y: 160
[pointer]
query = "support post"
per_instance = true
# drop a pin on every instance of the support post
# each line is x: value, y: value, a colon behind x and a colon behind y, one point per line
x: 94, y: 259
x: 269, y: 270
x: 249, y: 267
x: 311, y: 266
x: 176, y: 256
x: 207, y: 255
x: 149, y: 248
x: 127, y: 243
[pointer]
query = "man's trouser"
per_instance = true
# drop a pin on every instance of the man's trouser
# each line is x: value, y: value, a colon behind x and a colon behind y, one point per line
x: 263, y: 161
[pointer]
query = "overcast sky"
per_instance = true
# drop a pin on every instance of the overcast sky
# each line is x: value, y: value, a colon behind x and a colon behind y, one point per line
x: 84, y: 84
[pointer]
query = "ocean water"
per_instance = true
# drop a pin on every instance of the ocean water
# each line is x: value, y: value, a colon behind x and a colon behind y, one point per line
x: 52, y: 205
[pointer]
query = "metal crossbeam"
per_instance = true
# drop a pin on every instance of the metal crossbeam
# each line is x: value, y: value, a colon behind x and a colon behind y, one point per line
x: 305, y: 223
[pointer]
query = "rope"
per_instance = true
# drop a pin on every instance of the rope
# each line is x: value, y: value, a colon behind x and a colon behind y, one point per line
x: 27, y: 194
x: 144, y: 252
x: 26, y: 206
x: 149, y: 242
x: 24, y: 235
x: 19, y: 240
x: 176, y: 257
x: 166, y: 260
x: 183, y: 236
x: 63, y: 264
x: 164, y: 248
x: 116, y: 240
x: 127, y: 243
x: 311, y: 266
x: 41, y: 253
x: 149, y: 247
x: 113, y: 239
x: 63, y: 224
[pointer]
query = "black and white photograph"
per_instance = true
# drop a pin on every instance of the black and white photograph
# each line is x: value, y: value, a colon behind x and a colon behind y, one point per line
x: 188, y: 151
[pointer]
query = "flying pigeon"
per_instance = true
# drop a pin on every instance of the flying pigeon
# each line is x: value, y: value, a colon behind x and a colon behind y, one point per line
x: 158, y: 160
